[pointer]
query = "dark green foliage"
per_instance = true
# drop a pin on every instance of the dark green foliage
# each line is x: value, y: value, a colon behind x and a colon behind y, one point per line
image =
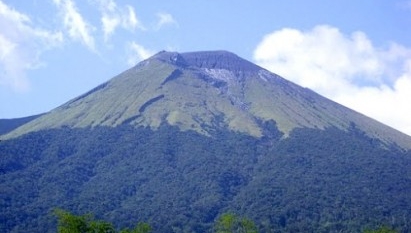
x: 313, y: 181
x: 329, y: 181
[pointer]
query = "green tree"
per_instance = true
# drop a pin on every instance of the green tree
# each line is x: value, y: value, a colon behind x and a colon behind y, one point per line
x: 225, y: 224
x: 141, y: 227
x: 248, y: 226
x: 230, y: 223
x: 70, y: 223
x: 382, y: 229
x: 101, y: 227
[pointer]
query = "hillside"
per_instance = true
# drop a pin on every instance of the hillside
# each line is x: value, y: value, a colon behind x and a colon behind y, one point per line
x: 180, y: 139
x: 190, y: 89
x: 8, y: 125
x: 315, y: 180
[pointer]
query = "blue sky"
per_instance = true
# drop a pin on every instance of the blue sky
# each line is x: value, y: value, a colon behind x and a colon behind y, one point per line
x: 357, y: 53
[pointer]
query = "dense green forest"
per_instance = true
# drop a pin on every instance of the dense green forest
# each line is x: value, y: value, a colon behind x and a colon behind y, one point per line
x: 311, y: 181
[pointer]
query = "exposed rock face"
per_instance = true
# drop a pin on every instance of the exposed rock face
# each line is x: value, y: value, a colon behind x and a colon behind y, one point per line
x: 191, y: 90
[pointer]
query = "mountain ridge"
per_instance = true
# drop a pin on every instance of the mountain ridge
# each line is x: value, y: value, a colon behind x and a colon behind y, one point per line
x: 219, y: 59
x: 191, y: 89
x: 7, y: 125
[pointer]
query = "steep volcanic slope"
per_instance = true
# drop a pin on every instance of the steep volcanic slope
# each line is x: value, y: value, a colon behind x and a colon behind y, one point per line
x: 191, y: 90
x: 180, y: 139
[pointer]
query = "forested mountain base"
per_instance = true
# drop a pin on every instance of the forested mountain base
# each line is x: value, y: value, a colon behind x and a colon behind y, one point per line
x: 311, y: 181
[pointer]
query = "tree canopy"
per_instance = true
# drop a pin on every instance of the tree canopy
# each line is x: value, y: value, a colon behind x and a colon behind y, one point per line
x: 70, y: 223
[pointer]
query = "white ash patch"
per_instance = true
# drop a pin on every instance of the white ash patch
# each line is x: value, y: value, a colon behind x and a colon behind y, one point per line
x: 220, y: 74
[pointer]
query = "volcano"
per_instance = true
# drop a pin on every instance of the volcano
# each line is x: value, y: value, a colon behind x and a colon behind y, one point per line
x: 191, y: 89
x: 181, y: 138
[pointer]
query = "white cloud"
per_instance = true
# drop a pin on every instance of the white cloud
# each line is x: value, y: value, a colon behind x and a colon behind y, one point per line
x: 21, y: 46
x: 113, y: 17
x: 137, y: 53
x: 78, y: 29
x: 131, y: 21
x: 390, y: 105
x: 165, y: 19
x: 348, y: 69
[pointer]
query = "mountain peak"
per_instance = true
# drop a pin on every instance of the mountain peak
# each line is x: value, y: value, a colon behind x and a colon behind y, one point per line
x: 219, y: 59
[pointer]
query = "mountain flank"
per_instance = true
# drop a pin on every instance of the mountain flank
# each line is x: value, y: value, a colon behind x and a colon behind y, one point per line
x: 182, y: 138
x: 191, y: 90
x: 7, y: 125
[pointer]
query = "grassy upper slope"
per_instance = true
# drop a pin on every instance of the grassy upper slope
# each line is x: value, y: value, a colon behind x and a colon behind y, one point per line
x: 191, y: 90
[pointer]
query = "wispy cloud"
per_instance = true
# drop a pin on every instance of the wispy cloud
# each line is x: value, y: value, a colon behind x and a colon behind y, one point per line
x: 77, y: 28
x: 137, y: 53
x: 21, y: 46
x: 113, y: 16
x: 165, y: 19
x: 131, y: 22
x: 346, y: 68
